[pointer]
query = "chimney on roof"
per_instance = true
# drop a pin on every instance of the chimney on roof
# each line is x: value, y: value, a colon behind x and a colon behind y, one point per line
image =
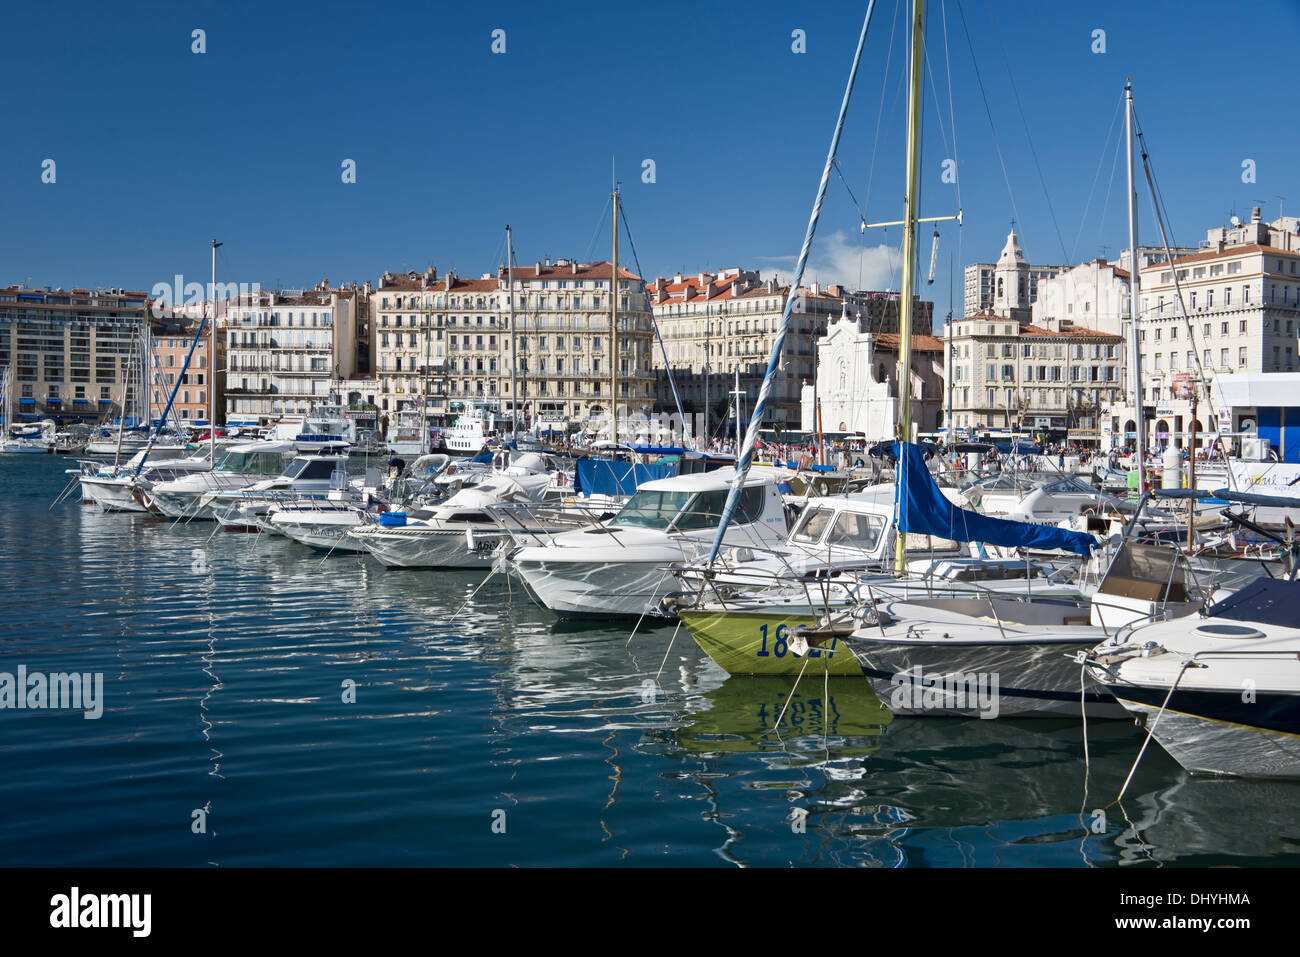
x: 677, y: 278
x: 539, y: 267
x: 1256, y: 214
x: 574, y: 264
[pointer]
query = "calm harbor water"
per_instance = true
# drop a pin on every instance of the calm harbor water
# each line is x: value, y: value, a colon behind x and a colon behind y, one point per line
x: 226, y: 660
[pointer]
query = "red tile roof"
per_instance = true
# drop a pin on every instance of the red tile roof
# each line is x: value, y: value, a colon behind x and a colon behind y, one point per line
x: 890, y: 341
x: 1227, y: 252
x: 596, y: 270
x: 1072, y: 333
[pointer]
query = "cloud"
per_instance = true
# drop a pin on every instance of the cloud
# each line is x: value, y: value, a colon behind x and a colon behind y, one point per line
x: 837, y: 260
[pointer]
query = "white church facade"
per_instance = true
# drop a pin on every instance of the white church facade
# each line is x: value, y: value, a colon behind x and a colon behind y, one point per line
x: 857, y: 382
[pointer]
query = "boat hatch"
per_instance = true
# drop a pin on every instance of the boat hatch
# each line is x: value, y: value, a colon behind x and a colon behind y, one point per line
x: 1239, y: 632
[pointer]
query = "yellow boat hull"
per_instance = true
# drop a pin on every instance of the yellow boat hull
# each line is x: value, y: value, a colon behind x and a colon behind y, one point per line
x: 758, y: 643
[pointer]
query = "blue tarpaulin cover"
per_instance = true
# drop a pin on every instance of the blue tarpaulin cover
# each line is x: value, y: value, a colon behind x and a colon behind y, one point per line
x: 922, y: 508
x: 603, y: 477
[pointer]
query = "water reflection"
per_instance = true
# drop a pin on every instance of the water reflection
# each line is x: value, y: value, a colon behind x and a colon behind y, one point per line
x: 223, y: 683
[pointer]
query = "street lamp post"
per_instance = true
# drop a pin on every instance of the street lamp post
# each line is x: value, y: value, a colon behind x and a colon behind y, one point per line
x: 706, y: 406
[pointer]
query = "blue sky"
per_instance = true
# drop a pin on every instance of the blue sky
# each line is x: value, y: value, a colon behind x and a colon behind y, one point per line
x: 159, y: 149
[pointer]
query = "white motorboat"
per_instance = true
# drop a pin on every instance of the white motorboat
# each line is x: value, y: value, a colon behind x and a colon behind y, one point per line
x: 1219, y: 691
x: 465, y: 530
x: 323, y: 523
x: 1042, y: 498
x: 621, y: 568
x: 305, y: 475
x: 476, y: 422
x: 112, y: 488
x: 238, y: 467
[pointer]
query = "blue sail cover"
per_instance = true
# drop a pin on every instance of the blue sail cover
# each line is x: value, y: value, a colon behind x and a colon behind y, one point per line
x: 603, y: 477
x: 922, y: 508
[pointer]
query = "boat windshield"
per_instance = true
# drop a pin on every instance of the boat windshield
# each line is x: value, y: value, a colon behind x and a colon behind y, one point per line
x: 814, y: 524
x: 309, y: 469
x: 857, y: 531
x: 250, y: 463
x: 686, y: 511
x: 651, y: 509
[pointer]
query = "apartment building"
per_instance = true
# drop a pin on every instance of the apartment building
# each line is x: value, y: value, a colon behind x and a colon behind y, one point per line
x: 288, y: 350
x: 192, y: 386
x: 1239, y: 314
x: 440, y: 341
x: 69, y: 350
x: 1015, y: 365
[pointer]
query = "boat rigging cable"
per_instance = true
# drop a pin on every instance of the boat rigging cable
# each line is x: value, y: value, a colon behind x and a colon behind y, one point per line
x: 1101, y: 160
x: 1157, y: 203
x: 778, y: 345
x: 988, y: 111
x: 875, y: 142
x: 655, y: 325
x: 600, y: 223
x: 1015, y: 91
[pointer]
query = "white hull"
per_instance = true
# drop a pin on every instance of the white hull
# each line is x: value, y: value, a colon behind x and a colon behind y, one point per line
x: 1034, y: 679
x: 323, y: 530
x: 129, y: 447
x: 110, y: 494
x: 627, y: 588
x: 180, y: 505
x: 422, y: 547
x: 1206, y: 746
x: 24, y: 448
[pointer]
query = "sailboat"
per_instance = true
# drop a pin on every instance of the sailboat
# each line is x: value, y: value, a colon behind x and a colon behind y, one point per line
x: 930, y: 657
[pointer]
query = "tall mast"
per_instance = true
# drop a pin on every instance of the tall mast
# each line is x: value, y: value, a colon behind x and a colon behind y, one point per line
x: 903, y: 427
x: 510, y: 297
x: 613, y: 332
x: 1134, y: 287
x: 212, y: 363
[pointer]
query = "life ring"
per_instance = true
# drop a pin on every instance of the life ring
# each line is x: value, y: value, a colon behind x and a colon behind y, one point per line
x: 822, y: 487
